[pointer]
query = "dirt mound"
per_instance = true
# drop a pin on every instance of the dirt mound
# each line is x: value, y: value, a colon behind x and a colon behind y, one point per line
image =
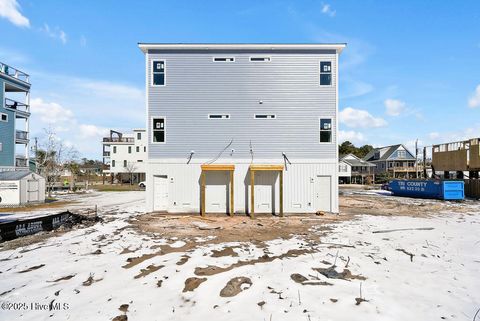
x: 193, y: 283
x: 149, y: 269
x: 227, y: 251
x: 331, y: 273
x: 235, y: 286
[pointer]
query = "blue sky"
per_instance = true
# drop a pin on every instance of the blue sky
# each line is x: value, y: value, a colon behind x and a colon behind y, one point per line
x: 411, y: 69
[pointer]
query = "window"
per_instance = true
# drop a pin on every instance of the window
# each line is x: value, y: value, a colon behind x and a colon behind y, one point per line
x: 223, y: 59
x: 139, y: 136
x: 158, y: 130
x: 158, y: 73
x: 325, y: 130
x: 140, y: 160
x: 1, y: 147
x: 402, y: 154
x: 138, y: 149
x: 129, y: 149
x: 114, y: 149
x: 260, y: 59
x: 124, y: 163
x: 113, y: 163
x: 325, y: 73
x: 4, y: 117
x: 145, y: 149
x: 265, y: 116
x: 218, y: 116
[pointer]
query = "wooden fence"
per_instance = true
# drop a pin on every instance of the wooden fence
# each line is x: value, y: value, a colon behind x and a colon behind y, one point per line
x: 472, y: 188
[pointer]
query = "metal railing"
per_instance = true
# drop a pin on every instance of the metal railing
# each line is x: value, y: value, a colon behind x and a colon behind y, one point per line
x: 118, y: 140
x: 106, y: 154
x: 20, y: 161
x: 15, y: 73
x: 13, y: 104
x: 20, y: 134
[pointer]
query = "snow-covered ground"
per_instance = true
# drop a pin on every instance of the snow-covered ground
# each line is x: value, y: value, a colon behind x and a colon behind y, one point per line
x: 407, y: 269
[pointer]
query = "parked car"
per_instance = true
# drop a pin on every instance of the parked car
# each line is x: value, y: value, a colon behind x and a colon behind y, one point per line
x: 142, y: 184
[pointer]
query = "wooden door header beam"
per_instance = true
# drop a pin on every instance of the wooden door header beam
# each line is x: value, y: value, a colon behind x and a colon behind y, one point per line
x: 266, y: 167
x: 218, y: 167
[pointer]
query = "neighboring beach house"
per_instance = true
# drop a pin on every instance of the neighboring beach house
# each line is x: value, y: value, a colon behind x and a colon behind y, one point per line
x: 14, y: 119
x: 124, y: 156
x: 395, y: 161
x: 242, y: 128
x: 354, y: 170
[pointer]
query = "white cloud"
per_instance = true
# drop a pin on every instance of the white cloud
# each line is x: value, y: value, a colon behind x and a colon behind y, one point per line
x: 355, y: 118
x: 351, y: 136
x: 327, y: 9
x: 474, y: 100
x: 394, y: 107
x: 433, y: 135
x: 67, y: 126
x: 108, y: 89
x: 55, y: 33
x: 9, y: 9
x: 52, y: 114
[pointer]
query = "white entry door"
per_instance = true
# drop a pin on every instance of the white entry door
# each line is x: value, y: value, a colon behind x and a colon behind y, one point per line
x: 323, y: 193
x: 160, y: 193
x: 216, y: 191
x: 32, y: 191
x: 266, y: 192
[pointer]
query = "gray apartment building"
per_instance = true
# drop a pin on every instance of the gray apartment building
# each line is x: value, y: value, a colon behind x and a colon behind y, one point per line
x: 242, y: 128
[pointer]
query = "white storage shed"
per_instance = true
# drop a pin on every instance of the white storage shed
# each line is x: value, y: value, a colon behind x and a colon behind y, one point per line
x: 20, y: 188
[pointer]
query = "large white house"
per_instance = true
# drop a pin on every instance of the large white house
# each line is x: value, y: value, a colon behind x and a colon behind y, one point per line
x: 242, y: 128
x: 125, y: 155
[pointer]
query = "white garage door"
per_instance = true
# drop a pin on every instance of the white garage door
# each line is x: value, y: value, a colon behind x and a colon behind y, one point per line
x: 216, y: 191
x: 323, y: 193
x: 32, y: 191
x: 160, y: 193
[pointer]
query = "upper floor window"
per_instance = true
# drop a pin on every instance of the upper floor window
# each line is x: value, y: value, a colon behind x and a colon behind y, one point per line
x: 129, y: 149
x: 114, y: 149
x: 223, y: 59
x: 219, y: 116
x: 145, y: 149
x: 260, y: 59
x: 4, y: 117
x: 124, y: 163
x: 402, y: 154
x: 138, y: 149
x: 158, y: 73
x: 325, y: 130
x: 325, y: 73
x: 158, y: 130
x: 113, y: 163
x: 139, y: 136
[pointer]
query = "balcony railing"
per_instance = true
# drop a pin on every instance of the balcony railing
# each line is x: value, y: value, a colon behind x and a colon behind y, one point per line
x: 20, y: 161
x: 12, y: 104
x: 21, y: 135
x: 118, y: 140
x: 106, y: 154
x: 15, y: 73
x: 403, y: 169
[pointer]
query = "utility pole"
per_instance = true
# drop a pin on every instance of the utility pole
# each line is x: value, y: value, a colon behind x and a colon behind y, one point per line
x: 416, y: 158
x: 36, y: 155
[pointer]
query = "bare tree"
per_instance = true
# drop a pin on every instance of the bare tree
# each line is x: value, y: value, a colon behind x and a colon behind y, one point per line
x: 130, y: 169
x: 53, y: 157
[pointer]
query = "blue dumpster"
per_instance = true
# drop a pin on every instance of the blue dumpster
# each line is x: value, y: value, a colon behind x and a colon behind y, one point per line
x: 438, y: 189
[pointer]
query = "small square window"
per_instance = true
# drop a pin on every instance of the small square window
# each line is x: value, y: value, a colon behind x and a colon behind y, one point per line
x: 4, y: 117
x: 138, y: 149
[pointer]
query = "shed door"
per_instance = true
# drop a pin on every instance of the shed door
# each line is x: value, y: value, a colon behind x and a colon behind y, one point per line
x: 32, y: 191
x: 266, y: 190
x: 160, y: 193
x: 217, y: 191
x: 323, y: 193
